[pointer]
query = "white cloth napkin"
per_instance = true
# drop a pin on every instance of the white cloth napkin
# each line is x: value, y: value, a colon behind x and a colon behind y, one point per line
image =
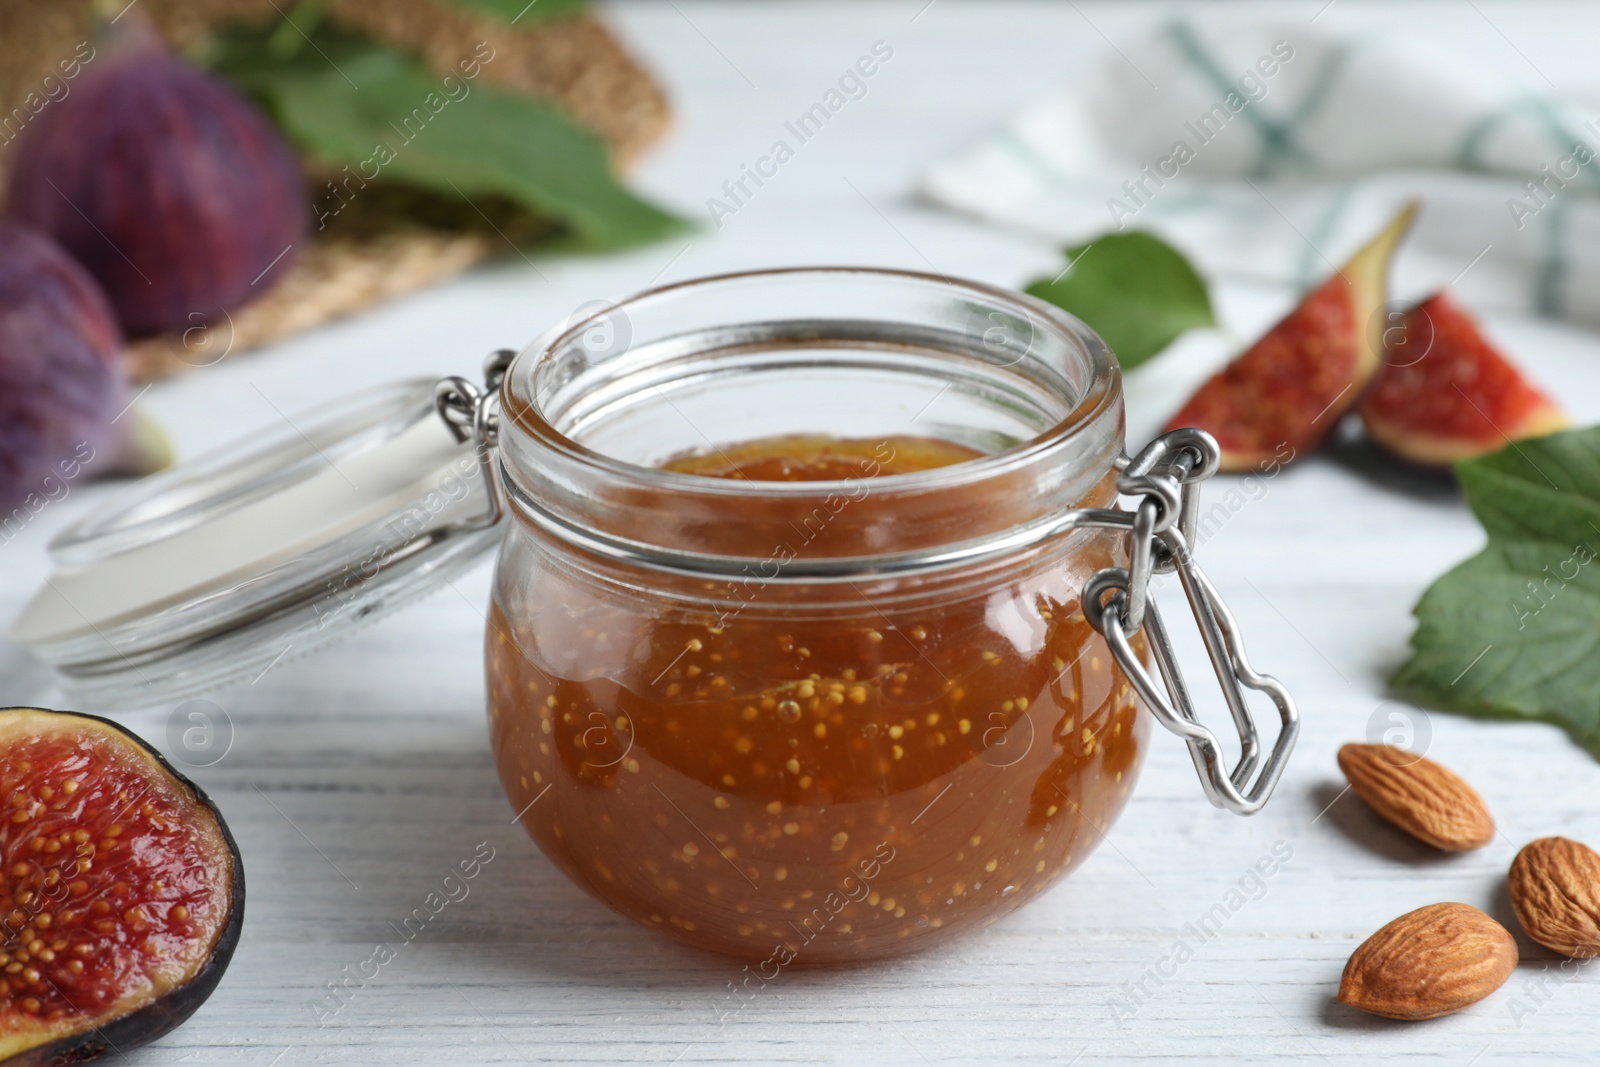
x: 1272, y: 152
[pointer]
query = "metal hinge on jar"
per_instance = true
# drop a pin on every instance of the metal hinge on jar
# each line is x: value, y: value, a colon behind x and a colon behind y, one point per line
x: 1117, y: 603
x: 474, y: 414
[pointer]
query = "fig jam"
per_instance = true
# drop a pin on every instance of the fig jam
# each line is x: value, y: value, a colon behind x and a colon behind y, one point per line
x: 795, y: 782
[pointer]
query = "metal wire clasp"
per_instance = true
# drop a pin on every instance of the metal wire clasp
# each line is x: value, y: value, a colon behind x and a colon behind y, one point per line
x: 1165, y: 476
x: 474, y: 413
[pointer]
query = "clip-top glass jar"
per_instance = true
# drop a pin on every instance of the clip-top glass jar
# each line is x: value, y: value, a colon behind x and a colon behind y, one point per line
x: 788, y: 656
x: 817, y: 631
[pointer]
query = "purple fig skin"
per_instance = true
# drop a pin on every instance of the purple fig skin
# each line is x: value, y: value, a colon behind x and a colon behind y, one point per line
x: 174, y: 191
x: 61, y: 378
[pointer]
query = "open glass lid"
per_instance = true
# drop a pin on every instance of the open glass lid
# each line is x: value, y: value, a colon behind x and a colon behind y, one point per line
x: 212, y: 571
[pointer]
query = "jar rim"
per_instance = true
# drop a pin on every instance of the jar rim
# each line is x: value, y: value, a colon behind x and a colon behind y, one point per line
x: 522, y: 413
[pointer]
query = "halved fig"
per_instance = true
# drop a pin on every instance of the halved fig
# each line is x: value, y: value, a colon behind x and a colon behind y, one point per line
x: 1288, y: 391
x: 121, y: 891
x: 1445, y: 392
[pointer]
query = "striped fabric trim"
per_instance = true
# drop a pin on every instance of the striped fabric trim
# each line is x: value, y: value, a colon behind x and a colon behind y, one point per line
x: 1562, y: 137
x: 1549, y: 281
x: 1277, y: 138
x: 1547, y: 253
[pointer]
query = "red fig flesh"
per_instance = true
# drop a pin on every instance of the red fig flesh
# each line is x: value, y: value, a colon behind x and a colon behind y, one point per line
x: 1289, y: 389
x: 121, y: 893
x: 174, y: 191
x: 1445, y: 393
x: 61, y: 384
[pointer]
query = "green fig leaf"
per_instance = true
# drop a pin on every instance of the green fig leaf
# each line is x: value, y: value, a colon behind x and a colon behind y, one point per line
x: 1514, y: 632
x: 522, y: 12
x: 1135, y: 290
x: 373, y: 117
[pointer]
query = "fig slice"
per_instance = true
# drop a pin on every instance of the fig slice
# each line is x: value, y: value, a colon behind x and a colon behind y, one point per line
x: 1444, y: 392
x: 121, y: 891
x: 1286, y: 392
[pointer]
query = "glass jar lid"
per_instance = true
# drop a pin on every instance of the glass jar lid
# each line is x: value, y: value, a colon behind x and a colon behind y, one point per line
x: 211, y: 572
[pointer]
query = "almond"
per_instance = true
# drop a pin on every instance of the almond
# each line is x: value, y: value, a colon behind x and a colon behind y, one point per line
x: 1555, y: 891
x: 1429, y: 962
x: 1426, y: 800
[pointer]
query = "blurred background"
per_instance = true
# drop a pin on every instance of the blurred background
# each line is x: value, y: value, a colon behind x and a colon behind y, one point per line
x: 220, y: 213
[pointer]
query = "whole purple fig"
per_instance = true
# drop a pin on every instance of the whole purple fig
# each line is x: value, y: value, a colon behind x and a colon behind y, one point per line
x: 61, y: 383
x: 174, y: 191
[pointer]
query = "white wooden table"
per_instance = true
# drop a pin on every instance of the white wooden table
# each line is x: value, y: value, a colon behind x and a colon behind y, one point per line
x: 357, y: 775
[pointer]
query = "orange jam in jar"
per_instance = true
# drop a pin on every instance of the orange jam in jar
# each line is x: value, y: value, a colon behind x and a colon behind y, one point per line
x: 757, y: 690
x: 837, y: 788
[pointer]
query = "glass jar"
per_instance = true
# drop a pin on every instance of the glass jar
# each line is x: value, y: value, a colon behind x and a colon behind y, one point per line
x: 817, y: 721
x: 834, y: 703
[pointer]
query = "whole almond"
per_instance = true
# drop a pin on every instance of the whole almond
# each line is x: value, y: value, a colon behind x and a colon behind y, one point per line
x: 1429, y: 962
x: 1426, y: 800
x: 1555, y: 891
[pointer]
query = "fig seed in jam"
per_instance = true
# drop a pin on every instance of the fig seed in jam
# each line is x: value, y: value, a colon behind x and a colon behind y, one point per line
x: 793, y: 784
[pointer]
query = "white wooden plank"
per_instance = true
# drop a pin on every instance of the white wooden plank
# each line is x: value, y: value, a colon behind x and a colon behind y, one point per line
x: 360, y: 773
